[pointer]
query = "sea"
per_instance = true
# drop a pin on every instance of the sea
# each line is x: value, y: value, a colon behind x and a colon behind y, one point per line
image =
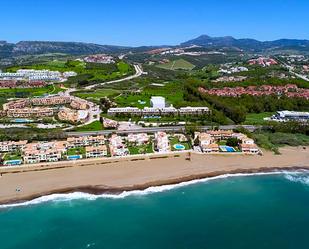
x: 256, y: 211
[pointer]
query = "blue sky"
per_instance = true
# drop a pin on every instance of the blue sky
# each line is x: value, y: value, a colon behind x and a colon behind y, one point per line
x: 151, y: 22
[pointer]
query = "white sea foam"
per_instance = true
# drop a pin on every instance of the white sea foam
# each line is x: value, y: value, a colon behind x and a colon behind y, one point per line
x: 301, y: 176
x: 124, y: 194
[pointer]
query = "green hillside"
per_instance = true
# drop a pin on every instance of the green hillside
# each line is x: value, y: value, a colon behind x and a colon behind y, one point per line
x: 177, y: 64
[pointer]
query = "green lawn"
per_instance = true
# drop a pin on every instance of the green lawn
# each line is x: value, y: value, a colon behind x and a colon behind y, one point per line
x: 174, y: 140
x: 177, y: 64
x: 173, y: 93
x: 257, y: 118
x: 94, y: 126
x: 12, y: 156
x: 143, y: 149
x: 76, y: 151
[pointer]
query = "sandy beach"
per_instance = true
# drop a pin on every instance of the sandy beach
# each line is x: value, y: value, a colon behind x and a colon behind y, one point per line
x: 97, y: 176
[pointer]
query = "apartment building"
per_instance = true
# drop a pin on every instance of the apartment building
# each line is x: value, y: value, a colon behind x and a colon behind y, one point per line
x: 159, y: 111
x: 96, y: 151
x: 193, y: 110
x: 53, y: 100
x: 44, y: 152
x: 37, y: 112
x: 85, y: 141
x: 8, y: 146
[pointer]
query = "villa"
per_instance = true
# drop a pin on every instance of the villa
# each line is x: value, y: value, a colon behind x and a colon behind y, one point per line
x: 207, y: 143
x: 162, y: 143
x: 117, y: 147
x: 138, y: 139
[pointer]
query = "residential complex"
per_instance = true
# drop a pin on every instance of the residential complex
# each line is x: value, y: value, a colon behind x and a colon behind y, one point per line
x: 36, y: 75
x: 74, y: 148
x: 289, y: 90
x: 100, y: 58
x: 209, y: 142
x: 49, y: 106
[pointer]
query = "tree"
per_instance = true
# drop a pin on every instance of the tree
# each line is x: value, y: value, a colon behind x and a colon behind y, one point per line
x: 233, y: 141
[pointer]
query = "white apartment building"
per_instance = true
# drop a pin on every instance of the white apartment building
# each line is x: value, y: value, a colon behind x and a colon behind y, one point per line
x: 96, y: 151
x: 8, y: 146
x: 85, y: 141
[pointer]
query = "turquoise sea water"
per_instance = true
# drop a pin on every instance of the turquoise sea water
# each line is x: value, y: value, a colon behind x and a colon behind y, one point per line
x: 264, y: 211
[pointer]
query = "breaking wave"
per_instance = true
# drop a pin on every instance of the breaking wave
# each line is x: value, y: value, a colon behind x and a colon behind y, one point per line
x: 124, y: 194
x: 301, y: 176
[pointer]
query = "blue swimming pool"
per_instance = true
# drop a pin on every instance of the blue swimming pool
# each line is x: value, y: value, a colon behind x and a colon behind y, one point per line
x: 225, y: 148
x: 75, y: 157
x: 22, y: 120
x: 179, y: 146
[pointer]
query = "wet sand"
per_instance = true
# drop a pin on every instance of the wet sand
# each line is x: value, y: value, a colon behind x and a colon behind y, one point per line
x: 114, y: 177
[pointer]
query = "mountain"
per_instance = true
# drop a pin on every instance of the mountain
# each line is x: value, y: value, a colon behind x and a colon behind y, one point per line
x: 43, y: 47
x: 247, y: 44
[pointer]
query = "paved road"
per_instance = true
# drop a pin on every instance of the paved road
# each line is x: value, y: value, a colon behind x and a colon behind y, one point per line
x: 138, y: 73
x: 156, y: 129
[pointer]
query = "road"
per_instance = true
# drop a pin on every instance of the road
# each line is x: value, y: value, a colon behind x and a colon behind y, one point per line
x: 138, y: 73
x: 290, y: 68
x: 156, y: 129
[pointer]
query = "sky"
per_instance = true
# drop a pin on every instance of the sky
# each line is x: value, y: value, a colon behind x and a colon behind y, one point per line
x: 151, y: 22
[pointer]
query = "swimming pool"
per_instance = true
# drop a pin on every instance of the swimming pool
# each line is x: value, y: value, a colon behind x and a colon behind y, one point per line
x: 22, y: 120
x: 225, y: 148
x: 179, y: 147
x: 75, y: 157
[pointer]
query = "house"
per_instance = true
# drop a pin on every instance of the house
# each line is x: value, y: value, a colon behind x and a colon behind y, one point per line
x: 207, y: 143
x: 249, y: 148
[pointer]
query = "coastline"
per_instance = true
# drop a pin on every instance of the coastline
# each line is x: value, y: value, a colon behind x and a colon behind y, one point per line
x: 117, y: 175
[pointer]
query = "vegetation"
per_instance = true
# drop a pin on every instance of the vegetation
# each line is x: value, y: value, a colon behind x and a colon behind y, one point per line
x: 27, y: 92
x: 141, y: 149
x: 31, y: 134
x: 76, y: 151
x: 177, y: 64
x: 87, y: 72
x: 94, y: 126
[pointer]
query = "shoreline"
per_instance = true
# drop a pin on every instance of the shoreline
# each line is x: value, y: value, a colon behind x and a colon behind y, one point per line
x: 119, y: 176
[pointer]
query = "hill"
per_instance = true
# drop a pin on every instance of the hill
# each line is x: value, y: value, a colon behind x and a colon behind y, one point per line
x: 44, y: 47
x: 248, y: 44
